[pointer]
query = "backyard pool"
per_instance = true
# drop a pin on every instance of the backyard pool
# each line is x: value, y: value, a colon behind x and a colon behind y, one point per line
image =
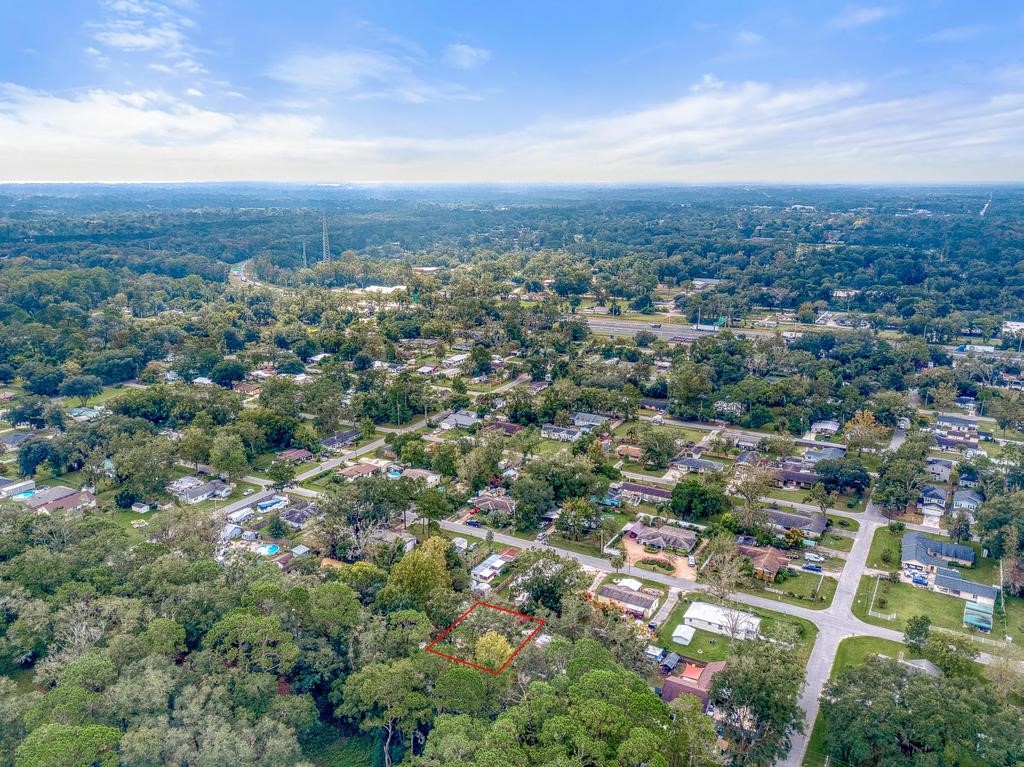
x: 268, y: 549
x: 24, y: 495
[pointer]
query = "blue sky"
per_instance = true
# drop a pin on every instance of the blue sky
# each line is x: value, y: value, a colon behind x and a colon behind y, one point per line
x: 179, y: 90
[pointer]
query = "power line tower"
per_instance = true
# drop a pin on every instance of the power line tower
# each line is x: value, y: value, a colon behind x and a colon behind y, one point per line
x: 305, y: 261
x: 326, y: 256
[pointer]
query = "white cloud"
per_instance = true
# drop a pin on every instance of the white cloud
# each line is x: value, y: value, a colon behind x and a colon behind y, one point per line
x: 956, y: 34
x: 194, y: 92
x: 859, y: 16
x: 462, y: 56
x: 825, y: 132
x: 707, y: 83
x: 746, y: 37
x: 363, y: 74
x: 148, y: 27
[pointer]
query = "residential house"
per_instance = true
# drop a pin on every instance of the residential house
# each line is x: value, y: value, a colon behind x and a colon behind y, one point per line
x: 931, y: 501
x: 665, y: 537
x: 812, y: 526
x: 485, y: 572
x: 632, y: 453
x: 766, y: 560
x: 358, y: 470
x: 46, y: 495
x: 73, y: 502
x: 214, y: 489
x: 968, y: 500
x: 299, y: 515
x: 588, y: 420
x: 229, y: 532
x: 631, y: 601
x: 796, y: 478
x: 689, y: 464
x: 11, y: 487
x: 924, y: 554
x: 460, y: 419
x: 492, y: 502
x: 294, y: 455
x: 241, y: 516
x: 340, y: 440
x: 827, y: 428
x: 634, y: 492
x: 814, y: 455
x: 562, y: 433
x: 949, y: 581
x: 506, y: 428
x: 695, y: 679
x: 432, y: 478
x: 722, y: 620
x: 940, y: 469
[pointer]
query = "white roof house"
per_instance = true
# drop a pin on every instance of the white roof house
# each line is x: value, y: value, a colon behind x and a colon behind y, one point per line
x: 722, y: 620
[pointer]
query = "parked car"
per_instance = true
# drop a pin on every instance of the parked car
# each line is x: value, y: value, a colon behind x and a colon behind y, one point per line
x: 691, y: 561
x: 812, y: 568
x: 810, y: 556
x: 248, y: 491
x: 475, y: 523
x: 658, y: 420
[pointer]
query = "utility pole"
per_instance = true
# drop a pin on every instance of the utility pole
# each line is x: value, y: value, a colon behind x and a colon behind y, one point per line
x: 326, y: 255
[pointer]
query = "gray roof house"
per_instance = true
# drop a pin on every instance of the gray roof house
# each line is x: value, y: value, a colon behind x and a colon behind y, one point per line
x: 588, y: 420
x: 951, y: 582
x: 697, y: 465
x: 923, y: 553
x: 968, y: 500
x: 812, y: 526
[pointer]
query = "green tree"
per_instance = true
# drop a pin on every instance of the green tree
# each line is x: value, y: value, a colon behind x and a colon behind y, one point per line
x: 63, y: 745
x: 757, y: 695
x: 81, y: 388
x: 281, y: 473
x: 916, y: 633
x: 194, y: 446
x: 227, y: 455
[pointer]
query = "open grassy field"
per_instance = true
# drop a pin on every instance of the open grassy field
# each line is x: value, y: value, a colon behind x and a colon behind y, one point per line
x: 809, y: 590
x: 905, y: 601
x: 707, y: 646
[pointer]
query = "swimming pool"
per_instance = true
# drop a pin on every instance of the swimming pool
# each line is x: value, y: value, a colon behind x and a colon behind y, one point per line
x: 393, y: 474
x: 268, y: 549
x: 24, y: 495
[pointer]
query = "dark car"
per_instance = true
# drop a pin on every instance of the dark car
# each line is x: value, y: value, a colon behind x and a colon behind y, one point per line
x: 812, y: 568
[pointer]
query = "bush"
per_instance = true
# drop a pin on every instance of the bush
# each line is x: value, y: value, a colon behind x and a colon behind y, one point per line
x: 897, y: 527
x: 659, y: 564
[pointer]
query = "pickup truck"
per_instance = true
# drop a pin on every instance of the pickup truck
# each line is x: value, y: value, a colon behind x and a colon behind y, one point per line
x: 812, y: 568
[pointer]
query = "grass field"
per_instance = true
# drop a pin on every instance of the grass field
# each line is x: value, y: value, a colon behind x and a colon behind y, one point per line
x: 838, y: 542
x: 904, y: 601
x: 707, y: 646
x: 885, y: 550
x: 803, y: 586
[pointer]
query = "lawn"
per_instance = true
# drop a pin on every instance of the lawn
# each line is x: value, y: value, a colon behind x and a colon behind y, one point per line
x: 905, y: 601
x: 707, y: 646
x: 802, y: 589
x: 886, y: 550
x: 851, y: 525
x: 831, y: 540
x: 613, y: 578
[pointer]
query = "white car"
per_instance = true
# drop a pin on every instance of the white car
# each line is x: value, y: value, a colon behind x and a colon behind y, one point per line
x: 658, y: 420
x: 811, y: 557
x: 248, y: 491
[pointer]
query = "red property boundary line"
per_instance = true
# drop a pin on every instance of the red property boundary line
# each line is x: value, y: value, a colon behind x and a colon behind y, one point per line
x: 430, y: 647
